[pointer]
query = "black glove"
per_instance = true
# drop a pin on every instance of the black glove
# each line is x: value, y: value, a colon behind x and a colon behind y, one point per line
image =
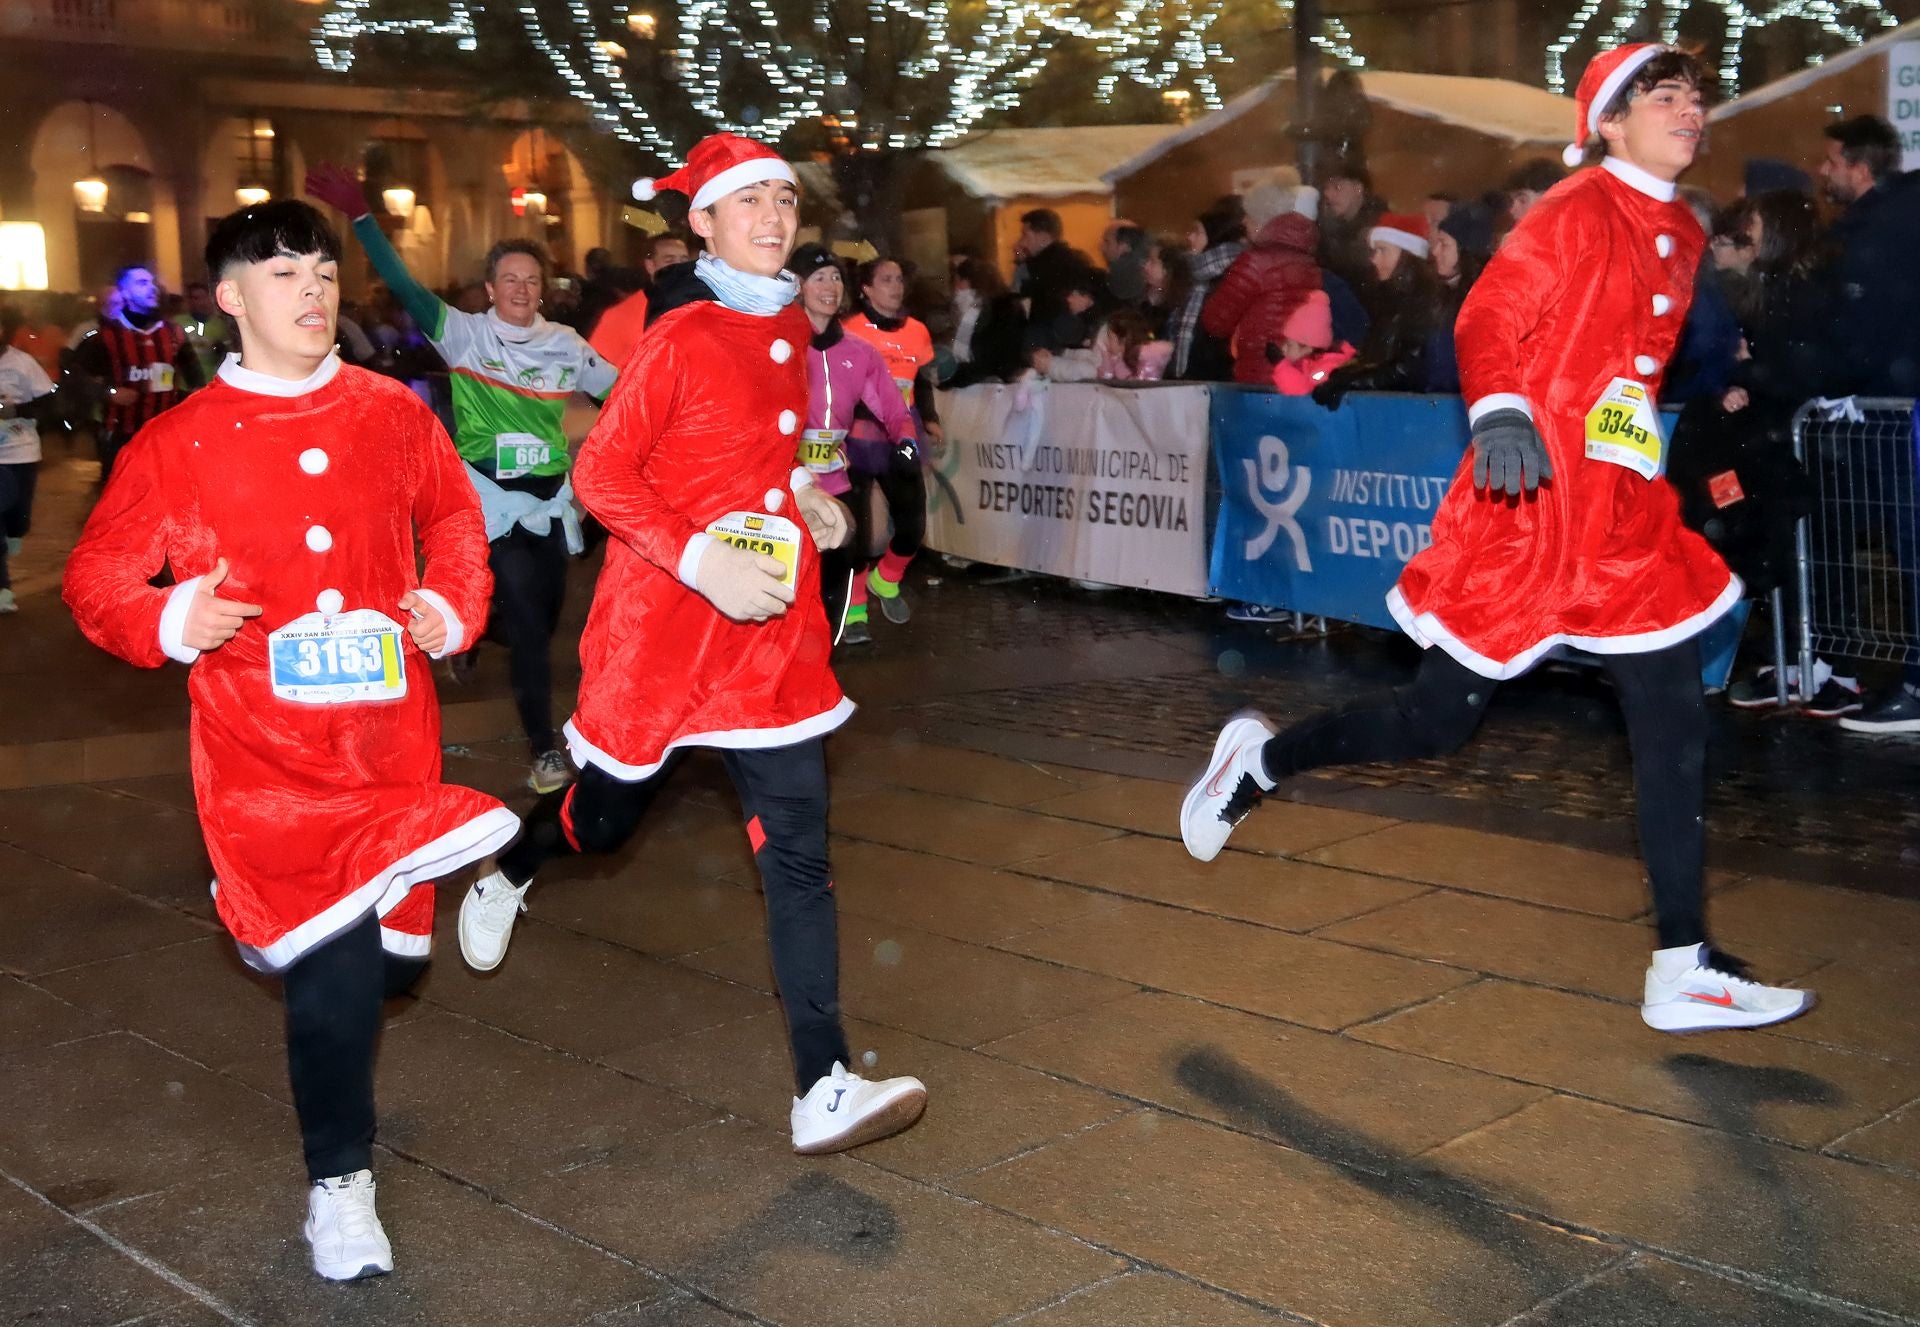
x: 1507, y: 453
x: 1331, y: 392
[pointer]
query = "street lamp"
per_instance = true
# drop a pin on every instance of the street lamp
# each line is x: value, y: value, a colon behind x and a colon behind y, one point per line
x: 399, y: 201
x: 642, y: 24
x: 23, y: 256
x: 251, y: 195
x: 90, y: 192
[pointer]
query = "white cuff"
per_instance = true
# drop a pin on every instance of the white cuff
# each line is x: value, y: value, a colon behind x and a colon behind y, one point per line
x: 456, y: 629
x: 1486, y: 405
x: 799, y: 479
x: 173, y: 622
x: 690, y: 559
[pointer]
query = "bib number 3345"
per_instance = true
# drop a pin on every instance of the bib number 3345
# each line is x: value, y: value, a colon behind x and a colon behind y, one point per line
x: 1622, y: 429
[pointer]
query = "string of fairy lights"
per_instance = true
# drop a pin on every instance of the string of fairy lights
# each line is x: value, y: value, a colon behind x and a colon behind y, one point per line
x: 809, y: 58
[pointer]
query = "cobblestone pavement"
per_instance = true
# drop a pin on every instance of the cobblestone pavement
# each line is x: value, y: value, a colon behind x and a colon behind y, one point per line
x: 1377, y: 1066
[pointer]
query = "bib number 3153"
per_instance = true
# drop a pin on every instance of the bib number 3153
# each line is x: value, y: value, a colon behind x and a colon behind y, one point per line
x: 1622, y: 429
x: 776, y: 536
x: 335, y: 659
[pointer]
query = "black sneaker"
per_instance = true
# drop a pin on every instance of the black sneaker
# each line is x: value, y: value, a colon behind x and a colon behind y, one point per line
x: 1757, y: 690
x: 1833, y: 700
x: 1898, y: 713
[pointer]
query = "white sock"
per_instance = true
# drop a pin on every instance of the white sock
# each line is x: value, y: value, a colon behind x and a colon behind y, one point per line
x: 1672, y: 964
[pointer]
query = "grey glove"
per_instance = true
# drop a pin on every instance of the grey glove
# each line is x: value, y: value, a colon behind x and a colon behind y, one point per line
x: 1508, y: 454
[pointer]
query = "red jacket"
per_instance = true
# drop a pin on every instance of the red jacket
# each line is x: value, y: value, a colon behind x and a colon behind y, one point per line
x: 1253, y: 301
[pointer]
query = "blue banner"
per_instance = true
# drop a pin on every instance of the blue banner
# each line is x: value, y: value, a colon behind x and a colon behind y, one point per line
x: 1320, y: 509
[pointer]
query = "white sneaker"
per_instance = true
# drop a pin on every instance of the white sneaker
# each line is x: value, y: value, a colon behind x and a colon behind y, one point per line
x: 551, y: 772
x: 487, y: 915
x: 1229, y: 789
x: 1694, y: 989
x: 344, y: 1230
x: 8, y: 604
x: 844, y: 1110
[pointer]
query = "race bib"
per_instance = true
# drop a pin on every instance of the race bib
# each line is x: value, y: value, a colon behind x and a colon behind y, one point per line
x: 776, y: 536
x: 516, y: 454
x: 1622, y: 429
x: 820, y: 450
x: 906, y: 390
x: 337, y: 659
x: 159, y: 377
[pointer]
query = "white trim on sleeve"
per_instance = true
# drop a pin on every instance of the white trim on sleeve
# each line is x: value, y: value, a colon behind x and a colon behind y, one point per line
x: 456, y: 629
x: 690, y: 559
x: 1486, y: 405
x: 173, y: 622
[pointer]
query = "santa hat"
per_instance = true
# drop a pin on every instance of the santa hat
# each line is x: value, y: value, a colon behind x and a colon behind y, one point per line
x: 1312, y: 323
x: 1402, y: 231
x: 719, y: 164
x: 1606, y: 74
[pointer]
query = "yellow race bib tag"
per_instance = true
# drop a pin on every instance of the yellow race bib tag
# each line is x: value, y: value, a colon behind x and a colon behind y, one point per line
x: 820, y: 450
x: 776, y: 536
x: 906, y: 391
x: 1623, y: 429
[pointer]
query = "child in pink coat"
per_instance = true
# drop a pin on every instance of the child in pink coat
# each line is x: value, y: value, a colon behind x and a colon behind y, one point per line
x: 1305, y: 358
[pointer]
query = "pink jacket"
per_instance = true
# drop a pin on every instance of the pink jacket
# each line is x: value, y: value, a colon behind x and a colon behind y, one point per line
x: 1290, y: 379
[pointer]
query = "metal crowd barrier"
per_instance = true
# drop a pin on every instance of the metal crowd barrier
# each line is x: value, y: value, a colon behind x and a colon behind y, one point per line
x: 1858, y: 553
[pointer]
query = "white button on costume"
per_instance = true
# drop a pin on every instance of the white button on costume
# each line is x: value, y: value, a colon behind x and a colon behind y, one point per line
x: 781, y: 350
x: 330, y: 601
x: 789, y: 421
x: 1662, y: 306
x: 314, y: 461
x: 319, y: 538
x: 1663, y: 245
x: 1645, y: 364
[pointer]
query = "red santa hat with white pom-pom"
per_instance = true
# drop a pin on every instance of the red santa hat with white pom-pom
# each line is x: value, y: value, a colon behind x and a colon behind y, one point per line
x: 1606, y: 74
x: 719, y: 164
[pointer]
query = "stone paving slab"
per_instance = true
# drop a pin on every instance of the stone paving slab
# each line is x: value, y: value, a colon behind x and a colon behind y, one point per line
x: 459, y: 1259
x: 1338, y: 1245
x: 31, y: 1018
x: 959, y: 900
x: 729, y: 1209
x: 1192, y: 1057
x: 953, y: 772
x: 1148, y: 806
x: 1753, y: 1084
x: 94, y: 1121
x: 1835, y: 923
x: 1293, y: 896
x: 1894, y: 1141
x: 909, y: 979
x: 57, y: 918
x: 1144, y: 1299
x: 52, y: 1270
x: 662, y: 913
x: 1264, y: 971
x: 1650, y: 1292
x: 1832, y: 1227
x: 1549, y: 946
x: 1864, y: 1007
x: 969, y: 831
x: 745, y: 1068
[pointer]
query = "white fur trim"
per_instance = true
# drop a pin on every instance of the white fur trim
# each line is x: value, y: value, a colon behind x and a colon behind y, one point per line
x: 1645, y: 181
x: 1572, y: 155
x: 405, y: 944
x: 1400, y: 239
x: 235, y: 374
x: 645, y: 188
x: 1486, y: 405
x: 730, y: 739
x: 1610, y: 85
x: 173, y: 622
x: 484, y: 834
x: 690, y: 559
x: 456, y: 629
x: 1428, y: 631
x: 751, y: 171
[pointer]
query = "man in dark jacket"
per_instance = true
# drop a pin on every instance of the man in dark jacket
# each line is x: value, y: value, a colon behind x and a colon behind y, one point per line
x: 1052, y: 268
x: 1873, y: 336
x: 1348, y: 212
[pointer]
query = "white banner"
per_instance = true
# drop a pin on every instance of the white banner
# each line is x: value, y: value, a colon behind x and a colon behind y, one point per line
x: 1903, y: 99
x: 1076, y: 479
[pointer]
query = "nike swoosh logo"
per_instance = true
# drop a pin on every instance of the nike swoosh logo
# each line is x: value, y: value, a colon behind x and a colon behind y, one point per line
x: 1213, y: 779
x: 1724, y: 999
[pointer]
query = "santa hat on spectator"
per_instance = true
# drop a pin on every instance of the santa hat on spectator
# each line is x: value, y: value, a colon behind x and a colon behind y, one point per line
x: 719, y: 164
x: 1402, y: 231
x: 1312, y: 323
x: 1606, y: 74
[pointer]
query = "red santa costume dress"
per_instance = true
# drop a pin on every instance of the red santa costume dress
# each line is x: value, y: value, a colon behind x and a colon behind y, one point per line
x: 314, y: 813
x: 695, y: 451
x: 1562, y: 345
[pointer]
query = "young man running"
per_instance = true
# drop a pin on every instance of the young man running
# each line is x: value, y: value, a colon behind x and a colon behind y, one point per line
x: 706, y: 629
x: 513, y: 374
x: 1562, y: 530
x: 293, y: 498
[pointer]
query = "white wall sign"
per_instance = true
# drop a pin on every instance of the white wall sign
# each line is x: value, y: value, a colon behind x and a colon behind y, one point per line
x: 1903, y: 99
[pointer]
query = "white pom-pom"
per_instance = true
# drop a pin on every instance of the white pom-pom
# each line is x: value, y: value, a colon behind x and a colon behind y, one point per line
x: 1573, y: 156
x: 643, y: 189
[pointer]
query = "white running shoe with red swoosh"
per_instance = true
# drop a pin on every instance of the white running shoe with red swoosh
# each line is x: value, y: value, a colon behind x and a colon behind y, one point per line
x: 1229, y: 789
x: 1697, y: 989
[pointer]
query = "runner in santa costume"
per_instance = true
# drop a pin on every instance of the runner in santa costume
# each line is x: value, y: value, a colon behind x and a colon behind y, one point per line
x: 1561, y: 531
x: 706, y: 628
x: 286, y: 497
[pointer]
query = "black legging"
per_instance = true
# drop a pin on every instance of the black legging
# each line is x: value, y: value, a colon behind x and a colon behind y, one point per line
x: 333, y: 994
x: 783, y: 793
x: 529, y: 588
x: 1665, y: 708
x: 904, y: 486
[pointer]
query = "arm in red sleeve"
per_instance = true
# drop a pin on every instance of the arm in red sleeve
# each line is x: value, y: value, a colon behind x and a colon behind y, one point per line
x: 452, y: 534
x: 1529, y: 274
x: 1229, y: 301
x: 610, y: 474
x: 123, y: 546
